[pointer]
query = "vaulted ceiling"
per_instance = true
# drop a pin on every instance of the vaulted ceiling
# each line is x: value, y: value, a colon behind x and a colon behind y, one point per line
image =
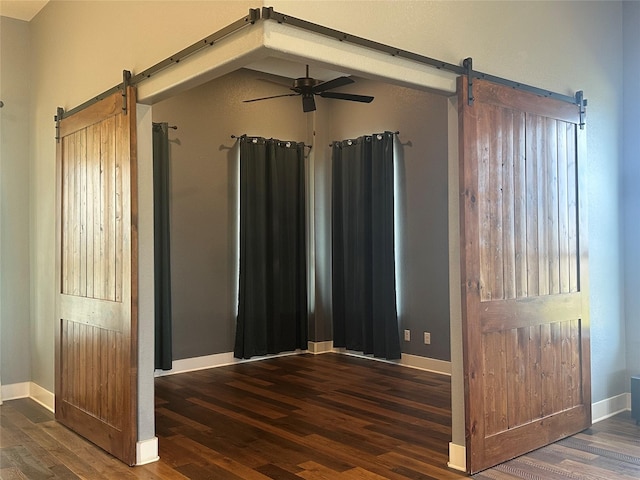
x: 21, y: 9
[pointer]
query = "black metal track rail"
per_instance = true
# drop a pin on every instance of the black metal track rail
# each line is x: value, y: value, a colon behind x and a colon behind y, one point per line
x: 253, y: 17
x: 268, y: 13
x: 523, y: 86
x: 250, y: 19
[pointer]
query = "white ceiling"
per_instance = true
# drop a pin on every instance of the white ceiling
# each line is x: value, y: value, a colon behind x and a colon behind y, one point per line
x: 21, y: 9
x: 291, y: 69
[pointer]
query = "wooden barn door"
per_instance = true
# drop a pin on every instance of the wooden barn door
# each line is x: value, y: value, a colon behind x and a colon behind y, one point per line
x: 524, y: 268
x: 96, y: 273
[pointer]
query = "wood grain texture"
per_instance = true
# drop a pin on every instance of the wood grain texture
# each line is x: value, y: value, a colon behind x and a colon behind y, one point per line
x: 92, y: 240
x: 525, y: 205
x: 96, y: 266
x: 325, y: 417
x: 498, y: 95
x: 89, y: 351
x: 525, y: 321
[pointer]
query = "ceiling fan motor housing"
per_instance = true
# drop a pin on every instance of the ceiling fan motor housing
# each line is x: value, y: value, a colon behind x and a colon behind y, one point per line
x: 307, y: 87
x: 304, y: 85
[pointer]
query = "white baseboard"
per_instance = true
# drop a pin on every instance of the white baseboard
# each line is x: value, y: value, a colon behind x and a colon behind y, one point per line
x: 42, y: 396
x: 610, y: 406
x: 424, y: 363
x: 217, y: 360
x: 320, y: 347
x: 197, y: 363
x: 147, y: 451
x: 599, y: 411
x: 222, y: 359
x: 29, y: 390
x: 457, y: 457
x: 434, y: 365
x: 15, y: 390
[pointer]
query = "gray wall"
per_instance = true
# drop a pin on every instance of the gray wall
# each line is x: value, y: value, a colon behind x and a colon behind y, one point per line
x: 573, y: 48
x: 204, y: 169
x: 631, y: 190
x: 423, y: 267
x: 15, y: 331
x: 204, y: 206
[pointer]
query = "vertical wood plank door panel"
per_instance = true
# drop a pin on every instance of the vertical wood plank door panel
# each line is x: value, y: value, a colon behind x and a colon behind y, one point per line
x: 96, y: 275
x: 524, y: 267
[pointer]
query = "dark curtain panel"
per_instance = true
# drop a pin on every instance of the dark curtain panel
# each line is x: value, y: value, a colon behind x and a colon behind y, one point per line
x: 272, y: 295
x: 163, y: 357
x: 364, y: 282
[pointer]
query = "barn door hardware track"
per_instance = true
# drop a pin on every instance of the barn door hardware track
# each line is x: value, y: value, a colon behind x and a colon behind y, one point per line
x: 468, y: 66
x: 268, y: 13
x: 126, y: 81
x: 58, y: 116
x: 253, y: 17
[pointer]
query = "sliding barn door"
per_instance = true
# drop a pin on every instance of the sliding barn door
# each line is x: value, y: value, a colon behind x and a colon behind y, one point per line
x: 524, y: 268
x: 96, y: 273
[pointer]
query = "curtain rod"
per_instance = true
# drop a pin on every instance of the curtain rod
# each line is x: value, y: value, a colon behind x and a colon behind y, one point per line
x: 257, y: 136
x: 173, y: 127
x: 397, y: 132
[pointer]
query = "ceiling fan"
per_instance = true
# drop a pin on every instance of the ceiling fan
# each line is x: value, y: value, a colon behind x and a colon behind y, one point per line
x: 308, y: 87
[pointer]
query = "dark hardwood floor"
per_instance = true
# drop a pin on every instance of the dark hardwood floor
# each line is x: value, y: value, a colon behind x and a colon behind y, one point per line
x: 326, y: 416
x: 304, y: 417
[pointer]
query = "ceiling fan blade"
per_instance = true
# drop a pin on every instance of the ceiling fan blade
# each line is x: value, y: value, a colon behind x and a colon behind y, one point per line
x: 308, y: 103
x: 335, y: 83
x: 272, y: 96
x: 347, y: 96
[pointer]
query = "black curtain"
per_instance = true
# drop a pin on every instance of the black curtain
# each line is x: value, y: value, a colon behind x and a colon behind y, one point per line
x: 272, y: 293
x: 163, y: 356
x: 364, y: 283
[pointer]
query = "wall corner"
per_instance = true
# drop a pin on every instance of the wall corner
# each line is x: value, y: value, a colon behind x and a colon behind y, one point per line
x: 457, y: 457
x: 147, y: 451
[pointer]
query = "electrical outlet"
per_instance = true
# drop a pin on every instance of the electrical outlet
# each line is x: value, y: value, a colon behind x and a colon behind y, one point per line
x: 407, y: 335
x: 427, y: 338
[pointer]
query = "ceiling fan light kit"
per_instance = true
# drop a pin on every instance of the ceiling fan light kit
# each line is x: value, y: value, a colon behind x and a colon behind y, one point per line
x: 308, y: 87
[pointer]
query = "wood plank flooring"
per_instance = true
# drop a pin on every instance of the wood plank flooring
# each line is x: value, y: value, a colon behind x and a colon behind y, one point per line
x: 312, y: 417
x: 304, y: 417
x: 609, y: 450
